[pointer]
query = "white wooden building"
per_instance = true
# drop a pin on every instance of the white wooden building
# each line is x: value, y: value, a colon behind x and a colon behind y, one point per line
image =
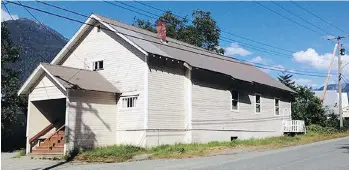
x: 117, y: 84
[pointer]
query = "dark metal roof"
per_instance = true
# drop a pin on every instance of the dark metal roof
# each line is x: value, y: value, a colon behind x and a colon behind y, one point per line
x: 73, y: 78
x: 195, y: 56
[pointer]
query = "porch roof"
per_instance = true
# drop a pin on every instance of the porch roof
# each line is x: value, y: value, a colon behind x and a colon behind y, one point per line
x: 70, y: 78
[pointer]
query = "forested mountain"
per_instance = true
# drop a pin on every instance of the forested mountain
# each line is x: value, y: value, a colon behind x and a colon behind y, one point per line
x: 37, y: 43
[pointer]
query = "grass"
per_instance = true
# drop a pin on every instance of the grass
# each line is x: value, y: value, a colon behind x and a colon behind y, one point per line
x: 121, y: 153
x: 20, y: 153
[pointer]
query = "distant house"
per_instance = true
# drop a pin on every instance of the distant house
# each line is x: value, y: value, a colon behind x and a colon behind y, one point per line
x: 331, y: 100
x: 117, y: 84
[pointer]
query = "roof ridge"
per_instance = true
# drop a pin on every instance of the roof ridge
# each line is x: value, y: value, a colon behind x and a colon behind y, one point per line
x: 173, y: 39
x: 55, y: 65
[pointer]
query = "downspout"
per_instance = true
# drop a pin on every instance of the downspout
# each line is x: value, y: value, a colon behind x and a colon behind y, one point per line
x: 66, y: 131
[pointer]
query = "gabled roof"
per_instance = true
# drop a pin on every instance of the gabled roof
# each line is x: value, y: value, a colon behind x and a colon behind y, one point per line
x: 194, y: 56
x: 148, y: 43
x: 69, y: 78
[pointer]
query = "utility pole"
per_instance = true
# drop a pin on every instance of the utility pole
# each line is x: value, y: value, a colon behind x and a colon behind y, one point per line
x: 340, y: 53
x: 340, y: 109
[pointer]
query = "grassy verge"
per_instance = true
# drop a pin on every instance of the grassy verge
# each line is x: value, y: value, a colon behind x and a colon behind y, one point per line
x: 20, y: 153
x: 121, y: 153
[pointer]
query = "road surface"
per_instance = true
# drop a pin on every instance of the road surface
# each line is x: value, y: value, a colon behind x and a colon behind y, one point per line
x: 329, y: 155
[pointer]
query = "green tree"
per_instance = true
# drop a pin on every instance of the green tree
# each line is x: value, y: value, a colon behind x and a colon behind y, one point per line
x: 12, y: 106
x: 202, y: 32
x: 307, y: 107
x: 286, y: 79
x: 145, y: 24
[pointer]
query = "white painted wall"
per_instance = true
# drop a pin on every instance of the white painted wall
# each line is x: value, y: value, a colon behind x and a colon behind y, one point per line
x: 213, y: 119
x: 91, y: 119
x: 167, y: 102
x: 45, y: 90
x: 124, y: 67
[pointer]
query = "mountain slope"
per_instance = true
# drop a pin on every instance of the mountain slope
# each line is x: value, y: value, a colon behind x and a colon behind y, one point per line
x: 345, y: 87
x: 37, y: 44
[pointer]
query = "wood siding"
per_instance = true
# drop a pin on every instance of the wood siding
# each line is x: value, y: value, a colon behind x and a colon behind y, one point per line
x: 167, y: 102
x: 213, y: 118
x: 46, y: 90
x: 124, y: 67
x: 91, y: 119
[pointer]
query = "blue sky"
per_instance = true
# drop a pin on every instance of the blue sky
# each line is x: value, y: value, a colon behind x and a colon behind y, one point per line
x: 247, y: 19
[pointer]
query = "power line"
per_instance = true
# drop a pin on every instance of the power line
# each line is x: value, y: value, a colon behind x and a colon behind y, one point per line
x: 226, y: 32
x: 220, y: 58
x: 111, y: 3
x: 345, y: 79
x: 76, y: 13
x: 137, y: 8
x: 301, y: 18
x: 297, y: 23
x: 252, y: 47
x: 249, y: 46
x: 317, y: 16
x: 55, y: 36
x: 7, y: 10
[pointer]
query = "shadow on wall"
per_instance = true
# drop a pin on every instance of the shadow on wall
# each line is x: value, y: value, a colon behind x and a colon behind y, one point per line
x: 80, y: 134
x: 53, y: 110
x: 221, y: 82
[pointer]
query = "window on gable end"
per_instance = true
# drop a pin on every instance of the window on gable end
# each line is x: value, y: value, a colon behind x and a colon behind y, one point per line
x: 98, y: 65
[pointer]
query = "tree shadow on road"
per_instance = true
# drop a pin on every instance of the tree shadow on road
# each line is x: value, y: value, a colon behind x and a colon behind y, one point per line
x: 345, y: 147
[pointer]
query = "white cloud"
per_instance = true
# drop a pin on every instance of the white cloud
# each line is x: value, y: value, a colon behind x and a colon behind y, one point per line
x: 5, y: 16
x: 306, y: 82
x: 257, y: 59
x: 235, y: 49
x: 321, y: 62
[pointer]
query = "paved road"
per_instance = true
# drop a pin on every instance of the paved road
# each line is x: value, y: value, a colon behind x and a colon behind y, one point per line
x: 333, y: 155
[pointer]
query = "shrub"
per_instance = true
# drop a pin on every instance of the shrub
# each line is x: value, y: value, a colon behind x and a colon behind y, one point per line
x: 320, y: 129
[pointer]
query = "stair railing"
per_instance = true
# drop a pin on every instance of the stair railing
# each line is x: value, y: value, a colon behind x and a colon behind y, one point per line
x: 42, y: 132
x: 49, y: 138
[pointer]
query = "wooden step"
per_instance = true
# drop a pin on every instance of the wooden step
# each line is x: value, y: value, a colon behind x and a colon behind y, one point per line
x: 61, y: 132
x: 46, y: 153
x: 41, y: 150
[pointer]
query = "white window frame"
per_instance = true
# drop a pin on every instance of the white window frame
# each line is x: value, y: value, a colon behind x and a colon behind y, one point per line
x: 255, y: 103
x: 231, y: 101
x: 129, y: 97
x: 275, y: 106
x: 93, y: 65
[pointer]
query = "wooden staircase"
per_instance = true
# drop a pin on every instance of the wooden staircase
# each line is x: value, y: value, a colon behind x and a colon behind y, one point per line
x: 53, y: 145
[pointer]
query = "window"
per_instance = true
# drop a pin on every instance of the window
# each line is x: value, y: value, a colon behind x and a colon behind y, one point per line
x: 128, y: 102
x: 97, y: 65
x: 99, y: 28
x: 234, y: 100
x: 258, y: 103
x: 277, y: 107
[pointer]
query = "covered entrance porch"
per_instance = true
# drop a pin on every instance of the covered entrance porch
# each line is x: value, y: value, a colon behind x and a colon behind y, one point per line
x: 63, y: 104
x: 46, y: 126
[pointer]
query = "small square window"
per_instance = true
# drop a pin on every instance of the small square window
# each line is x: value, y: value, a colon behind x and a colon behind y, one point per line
x: 277, y: 107
x: 234, y: 100
x: 258, y: 103
x: 128, y: 102
x: 98, y: 65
